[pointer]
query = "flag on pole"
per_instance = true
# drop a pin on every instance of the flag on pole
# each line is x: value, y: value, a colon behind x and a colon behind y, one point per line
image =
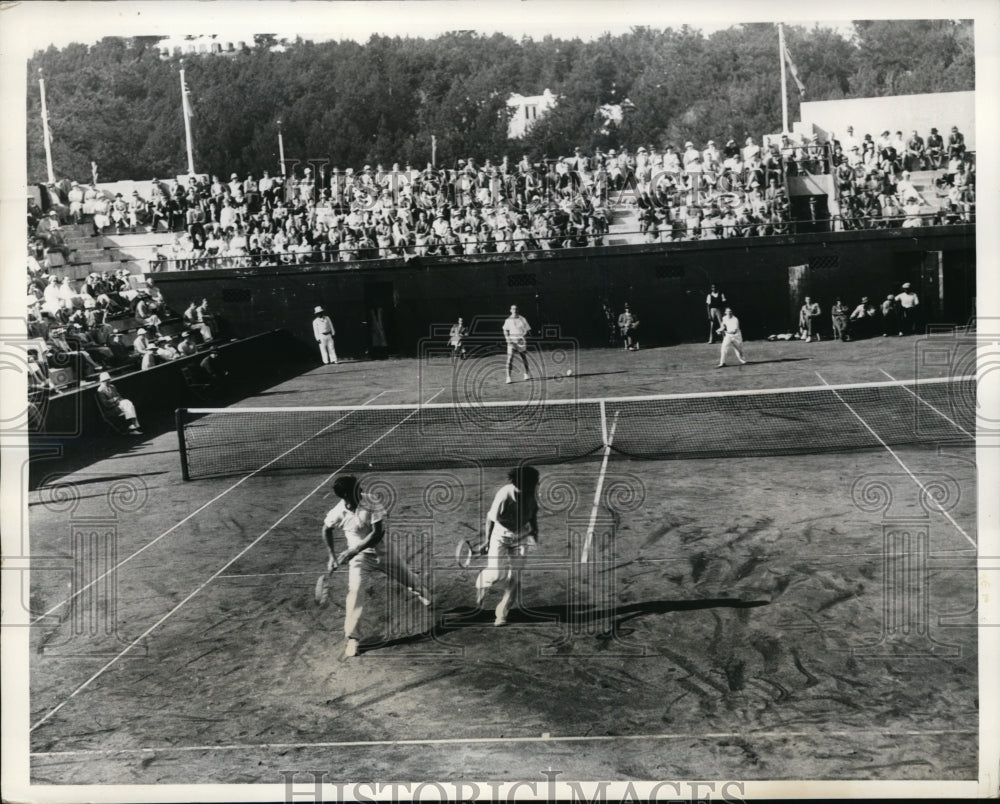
x: 793, y: 71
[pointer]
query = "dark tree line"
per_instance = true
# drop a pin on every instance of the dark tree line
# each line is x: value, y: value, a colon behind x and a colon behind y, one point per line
x: 117, y: 103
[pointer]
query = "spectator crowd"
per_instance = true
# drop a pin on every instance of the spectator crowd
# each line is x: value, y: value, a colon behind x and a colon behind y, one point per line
x: 103, y: 323
x: 690, y: 193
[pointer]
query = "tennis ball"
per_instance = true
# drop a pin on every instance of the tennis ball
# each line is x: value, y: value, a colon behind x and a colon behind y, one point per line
x: 569, y: 372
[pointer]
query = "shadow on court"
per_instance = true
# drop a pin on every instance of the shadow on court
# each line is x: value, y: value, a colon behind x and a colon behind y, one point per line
x: 462, y: 617
x: 582, y: 374
x: 777, y: 360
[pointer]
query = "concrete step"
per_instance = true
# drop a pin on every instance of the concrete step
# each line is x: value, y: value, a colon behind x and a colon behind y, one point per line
x: 87, y: 255
x: 127, y: 242
x: 76, y: 230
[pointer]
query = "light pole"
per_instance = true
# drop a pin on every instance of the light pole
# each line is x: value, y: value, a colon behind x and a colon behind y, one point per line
x: 281, y: 149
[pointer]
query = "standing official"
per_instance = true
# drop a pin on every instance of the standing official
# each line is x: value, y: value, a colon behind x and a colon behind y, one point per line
x: 715, y: 303
x: 907, y: 304
x: 731, y: 338
x: 627, y: 325
x: 323, y: 332
x: 515, y: 332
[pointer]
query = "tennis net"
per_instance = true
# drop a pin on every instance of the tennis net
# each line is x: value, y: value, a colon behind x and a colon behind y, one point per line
x: 816, y: 419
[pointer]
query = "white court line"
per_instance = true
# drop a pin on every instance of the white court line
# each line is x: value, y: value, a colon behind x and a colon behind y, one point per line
x: 929, y: 496
x: 220, y: 571
x: 608, y: 438
x: 593, y: 738
x: 194, y: 513
x: 938, y: 412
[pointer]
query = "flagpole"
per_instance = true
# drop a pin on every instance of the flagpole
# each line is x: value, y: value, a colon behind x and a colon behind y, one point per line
x: 784, y: 86
x: 281, y: 149
x: 45, y: 130
x: 187, y: 122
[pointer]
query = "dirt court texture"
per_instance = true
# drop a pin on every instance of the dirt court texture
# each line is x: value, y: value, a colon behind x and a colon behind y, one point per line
x: 795, y: 601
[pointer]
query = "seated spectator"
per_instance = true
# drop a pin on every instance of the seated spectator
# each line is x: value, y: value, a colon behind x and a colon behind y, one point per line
x: 862, y: 319
x: 119, y: 213
x: 142, y: 347
x: 61, y: 352
x: 213, y: 367
x: 807, y: 316
x: 187, y: 345
x: 956, y: 144
x: 48, y: 231
x: 935, y: 149
x: 115, y: 407
x: 147, y: 311
x: 122, y: 355
x: 79, y: 339
x: 165, y: 351
x: 76, y: 198
x: 912, y: 211
x: 206, y: 321
x: 915, y: 153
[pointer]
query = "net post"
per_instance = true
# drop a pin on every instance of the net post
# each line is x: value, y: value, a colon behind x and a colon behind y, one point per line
x: 179, y: 416
x: 604, y: 424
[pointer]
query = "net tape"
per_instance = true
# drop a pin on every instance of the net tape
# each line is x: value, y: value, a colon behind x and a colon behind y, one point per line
x: 817, y: 419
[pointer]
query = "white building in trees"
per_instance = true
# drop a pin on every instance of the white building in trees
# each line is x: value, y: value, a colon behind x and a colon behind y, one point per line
x: 525, y: 110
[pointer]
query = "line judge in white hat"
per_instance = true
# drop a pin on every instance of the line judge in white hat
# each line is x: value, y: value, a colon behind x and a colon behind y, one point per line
x: 323, y: 332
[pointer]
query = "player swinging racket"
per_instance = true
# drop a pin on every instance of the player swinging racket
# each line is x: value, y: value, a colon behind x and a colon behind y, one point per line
x: 731, y: 337
x: 363, y: 522
x: 511, y: 528
x: 515, y: 331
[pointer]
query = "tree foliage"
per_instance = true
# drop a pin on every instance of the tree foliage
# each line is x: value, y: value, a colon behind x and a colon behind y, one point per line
x: 118, y: 103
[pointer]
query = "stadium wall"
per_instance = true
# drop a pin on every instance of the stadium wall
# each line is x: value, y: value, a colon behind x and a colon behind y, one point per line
x: 564, y: 292
x: 940, y: 110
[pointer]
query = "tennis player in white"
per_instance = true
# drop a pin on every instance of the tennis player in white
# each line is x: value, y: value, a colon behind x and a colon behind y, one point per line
x: 515, y: 332
x: 363, y: 522
x: 731, y: 337
x: 511, y: 528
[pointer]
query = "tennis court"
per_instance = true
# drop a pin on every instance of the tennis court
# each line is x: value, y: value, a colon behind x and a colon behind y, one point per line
x: 779, y: 585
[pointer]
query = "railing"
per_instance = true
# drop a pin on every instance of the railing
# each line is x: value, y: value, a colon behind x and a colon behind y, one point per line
x: 683, y: 231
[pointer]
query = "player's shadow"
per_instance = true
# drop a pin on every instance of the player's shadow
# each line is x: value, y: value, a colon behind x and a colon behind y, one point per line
x: 585, y: 374
x: 777, y: 360
x: 461, y: 617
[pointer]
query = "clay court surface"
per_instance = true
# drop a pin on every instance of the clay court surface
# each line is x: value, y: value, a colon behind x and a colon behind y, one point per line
x: 780, y: 617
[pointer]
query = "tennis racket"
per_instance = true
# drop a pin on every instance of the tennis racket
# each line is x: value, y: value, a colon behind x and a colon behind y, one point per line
x: 320, y: 592
x: 467, y: 549
x: 464, y: 552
